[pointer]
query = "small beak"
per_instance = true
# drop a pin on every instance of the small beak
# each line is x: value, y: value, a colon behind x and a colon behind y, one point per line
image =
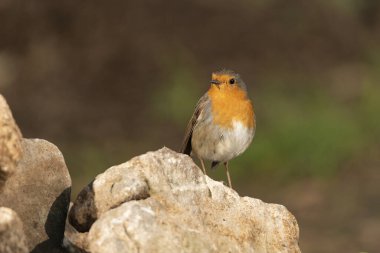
x: 216, y: 82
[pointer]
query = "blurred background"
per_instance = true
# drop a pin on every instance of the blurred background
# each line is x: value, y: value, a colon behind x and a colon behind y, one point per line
x: 108, y: 80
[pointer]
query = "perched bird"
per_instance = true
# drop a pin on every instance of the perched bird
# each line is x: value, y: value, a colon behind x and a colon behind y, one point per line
x: 223, y: 123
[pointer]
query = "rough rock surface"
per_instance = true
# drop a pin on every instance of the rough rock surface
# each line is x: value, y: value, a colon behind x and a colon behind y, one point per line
x: 10, y: 142
x: 39, y: 191
x: 74, y: 242
x: 161, y: 202
x: 12, y: 237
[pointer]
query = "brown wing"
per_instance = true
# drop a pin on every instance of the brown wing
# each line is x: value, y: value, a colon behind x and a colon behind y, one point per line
x: 186, y: 144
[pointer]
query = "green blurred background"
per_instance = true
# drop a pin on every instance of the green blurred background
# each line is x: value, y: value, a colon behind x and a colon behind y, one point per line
x: 108, y: 80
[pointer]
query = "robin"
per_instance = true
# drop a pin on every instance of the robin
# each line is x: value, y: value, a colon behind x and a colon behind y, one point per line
x: 223, y: 123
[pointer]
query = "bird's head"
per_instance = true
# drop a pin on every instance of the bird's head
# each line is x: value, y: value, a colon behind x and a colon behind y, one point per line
x: 226, y: 79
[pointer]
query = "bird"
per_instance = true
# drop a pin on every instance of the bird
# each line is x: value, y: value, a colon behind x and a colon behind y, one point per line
x: 223, y: 123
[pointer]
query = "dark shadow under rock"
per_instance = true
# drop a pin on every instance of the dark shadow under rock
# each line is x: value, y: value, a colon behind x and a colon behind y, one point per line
x: 54, y: 225
x: 83, y: 213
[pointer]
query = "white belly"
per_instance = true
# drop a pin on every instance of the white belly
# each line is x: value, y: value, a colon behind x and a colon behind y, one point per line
x: 214, y: 143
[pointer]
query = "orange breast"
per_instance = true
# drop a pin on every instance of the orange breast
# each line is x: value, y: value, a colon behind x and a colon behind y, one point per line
x: 231, y: 103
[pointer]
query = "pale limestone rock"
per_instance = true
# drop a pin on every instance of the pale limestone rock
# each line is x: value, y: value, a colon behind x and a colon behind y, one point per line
x: 161, y: 202
x: 10, y: 142
x: 12, y: 237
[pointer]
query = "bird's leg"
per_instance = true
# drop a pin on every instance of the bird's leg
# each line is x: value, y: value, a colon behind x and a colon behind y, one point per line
x: 228, y: 175
x: 203, y: 165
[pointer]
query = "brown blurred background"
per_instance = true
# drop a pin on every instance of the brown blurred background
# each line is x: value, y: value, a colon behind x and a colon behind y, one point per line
x: 108, y: 80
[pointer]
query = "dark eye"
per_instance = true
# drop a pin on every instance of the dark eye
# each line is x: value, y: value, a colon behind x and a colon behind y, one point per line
x: 232, y: 81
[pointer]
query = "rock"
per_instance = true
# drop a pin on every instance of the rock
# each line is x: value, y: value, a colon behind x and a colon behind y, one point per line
x: 161, y: 202
x: 110, y: 190
x: 39, y: 192
x: 74, y: 241
x: 12, y: 237
x: 10, y: 142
